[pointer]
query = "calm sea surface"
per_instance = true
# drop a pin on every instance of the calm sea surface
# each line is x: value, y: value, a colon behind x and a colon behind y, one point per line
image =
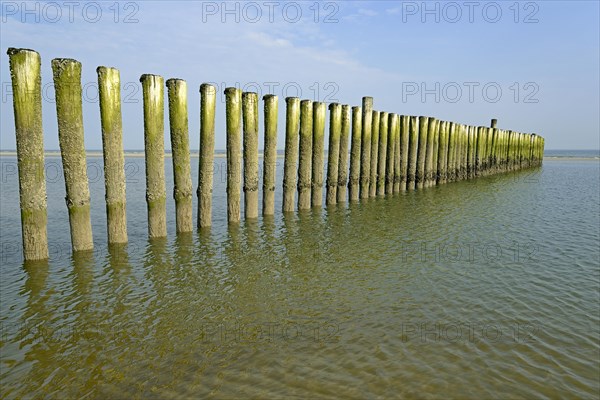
x: 477, y: 289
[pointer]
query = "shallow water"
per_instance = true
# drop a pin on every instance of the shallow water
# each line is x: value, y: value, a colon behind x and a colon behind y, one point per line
x: 477, y: 289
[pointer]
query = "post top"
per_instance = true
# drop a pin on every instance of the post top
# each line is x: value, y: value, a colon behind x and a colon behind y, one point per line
x: 207, y: 87
x: 231, y: 90
x: 102, y: 68
x: 269, y: 97
x: 334, y: 105
x: 292, y: 99
x: 175, y: 81
x: 15, y: 50
x: 146, y: 77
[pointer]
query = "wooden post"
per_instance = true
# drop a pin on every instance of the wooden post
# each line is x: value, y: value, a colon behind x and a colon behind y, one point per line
x: 442, y: 158
x: 333, y: 154
x: 290, y: 164
x: 365, y: 158
x: 250, y: 129
x: 318, y: 150
x: 381, y: 153
x: 343, y: 160
x: 25, y: 71
x: 67, y: 85
x: 452, y: 142
x: 109, y: 91
x: 180, y: 154
x: 304, y: 165
x: 488, y: 150
x: 413, y: 148
x: 494, y: 122
x: 375, y: 125
x: 428, y: 177
x: 436, y: 144
x: 391, y: 156
x: 479, y: 146
x: 461, y: 166
x: 355, y: 154
x: 208, y: 95
x: 233, y: 98
x: 422, y: 152
x: 270, y: 154
x: 405, y: 144
x: 470, y: 152
x: 154, y: 145
x: 399, y: 161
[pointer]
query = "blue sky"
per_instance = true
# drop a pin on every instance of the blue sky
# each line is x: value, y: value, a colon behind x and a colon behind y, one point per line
x: 533, y: 65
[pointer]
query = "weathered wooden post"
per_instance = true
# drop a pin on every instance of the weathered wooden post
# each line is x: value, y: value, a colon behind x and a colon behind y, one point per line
x: 365, y: 158
x: 304, y: 164
x: 494, y: 122
x: 270, y: 153
x: 375, y: 125
x: 462, y: 153
x: 318, y: 149
x: 421, y: 152
x: 509, y: 150
x: 67, y: 85
x: 180, y: 154
x: 25, y: 71
x: 479, y: 151
x: 428, y: 162
x: 405, y: 144
x: 381, y: 157
x: 343, y: 158
x: 413, y: 148
x: 442, y: 158
x: 233, y: 98
x: 355, y: 154
x: 398, y: 159
x: 436, y: 145
x: 333, y: 154
x: 109, y: 92
x: 208, y: 95
x: 290, y: 164
x: 391, y: 156
x: 488, y: 150
x: 154, y: 134
x: 452, y: 142
x: 470, y: 148
x: 250, y: 132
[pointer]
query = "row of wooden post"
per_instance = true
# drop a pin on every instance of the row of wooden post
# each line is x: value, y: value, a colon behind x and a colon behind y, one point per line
x: 370, y: 154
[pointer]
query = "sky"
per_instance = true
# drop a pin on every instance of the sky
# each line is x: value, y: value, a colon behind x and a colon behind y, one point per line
x: 532, y: 65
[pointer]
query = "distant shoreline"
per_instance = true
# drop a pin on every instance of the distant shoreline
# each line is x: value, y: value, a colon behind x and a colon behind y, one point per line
x: 223, y: 154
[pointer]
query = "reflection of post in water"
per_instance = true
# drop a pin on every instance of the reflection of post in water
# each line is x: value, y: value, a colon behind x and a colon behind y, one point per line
x: 33, y: 328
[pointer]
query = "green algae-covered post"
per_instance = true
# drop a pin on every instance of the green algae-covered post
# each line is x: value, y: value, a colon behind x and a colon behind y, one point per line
x: 25, y: 71
x: 375, y: 126
x: 404, y: 151
x: 436, y: 148
x: 67, y: 85
x: 333, y: 155
x: 343, y: 159
x: 270, y: 154
x: 451, y: 168
x: 428, y: 171
x: 250, y: 128
x: 462, y: 153
x: 391, y: 156
x: 374, y: 154
x: 398, y: 160
x: 180, y: 154
x: 413, y: 148
x: 421, y: 152
x: 208, y: 95
x: 382, y: 152
x: 365, y: 152
x: 233, y: 98
x: 488, y: 150
x: 493, y: 123
x: 109, y: 92
x: 305, y: 159
x: 479, y: 151
x: 153, y: 93
x: 318, y: 149
x: 470, y: 148
x: 442, y: 160
x: 290, y: 163
x: 355, y: 154
x: 436, y: 145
